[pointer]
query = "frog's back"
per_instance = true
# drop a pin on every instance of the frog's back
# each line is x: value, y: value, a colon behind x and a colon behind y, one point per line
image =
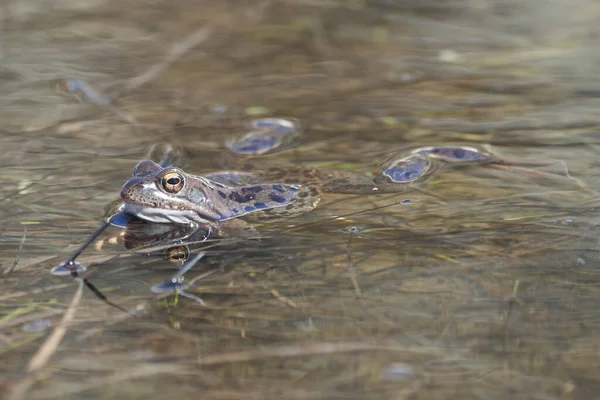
x: 257, y: 199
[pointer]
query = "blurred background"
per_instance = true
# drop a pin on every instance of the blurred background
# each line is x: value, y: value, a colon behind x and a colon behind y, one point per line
x: 479, y: 282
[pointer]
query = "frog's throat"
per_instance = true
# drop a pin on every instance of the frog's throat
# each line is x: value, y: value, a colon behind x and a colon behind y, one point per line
x: 159, y: 215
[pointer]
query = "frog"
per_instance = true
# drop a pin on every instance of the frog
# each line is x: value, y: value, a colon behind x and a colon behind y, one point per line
x: 168, y: 194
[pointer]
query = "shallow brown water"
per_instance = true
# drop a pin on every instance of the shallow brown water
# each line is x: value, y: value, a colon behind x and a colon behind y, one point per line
x: 484, y: 286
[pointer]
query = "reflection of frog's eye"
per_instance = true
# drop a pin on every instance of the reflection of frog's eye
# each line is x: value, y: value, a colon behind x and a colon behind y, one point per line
x: 179, y: 253
x: 172, y: 182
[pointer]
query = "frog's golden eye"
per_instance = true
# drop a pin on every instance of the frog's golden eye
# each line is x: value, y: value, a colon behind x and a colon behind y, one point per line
x: 172, y: 182
x: 177, y: 254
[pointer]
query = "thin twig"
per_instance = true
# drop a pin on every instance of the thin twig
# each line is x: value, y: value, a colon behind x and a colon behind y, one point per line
x: 283, y: 299
x: 18, y: 255
x: 176, y: 51
x: 511, y: 306
x: 40, y: 359
x: 47, y: 349
x: 351, y: 270
x: 308, y: 349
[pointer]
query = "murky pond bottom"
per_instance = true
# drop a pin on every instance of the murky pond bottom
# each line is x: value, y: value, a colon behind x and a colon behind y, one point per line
x: 478, y: 281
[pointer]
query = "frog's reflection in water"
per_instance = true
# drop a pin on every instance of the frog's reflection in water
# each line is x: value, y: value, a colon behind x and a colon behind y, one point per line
x: 177, y: 243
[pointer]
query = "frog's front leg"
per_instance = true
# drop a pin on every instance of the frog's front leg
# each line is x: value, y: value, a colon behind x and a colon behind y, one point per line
x: 237, y: 228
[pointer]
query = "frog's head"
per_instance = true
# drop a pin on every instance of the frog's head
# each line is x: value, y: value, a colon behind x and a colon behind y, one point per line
x: 166, y: 195
x: 169, y: 195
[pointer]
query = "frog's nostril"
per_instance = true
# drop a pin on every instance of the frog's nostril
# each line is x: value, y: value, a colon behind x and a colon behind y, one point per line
x: 124, y: 193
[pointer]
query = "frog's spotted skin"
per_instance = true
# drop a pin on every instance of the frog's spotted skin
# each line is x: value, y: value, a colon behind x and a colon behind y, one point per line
x: 152, y: 194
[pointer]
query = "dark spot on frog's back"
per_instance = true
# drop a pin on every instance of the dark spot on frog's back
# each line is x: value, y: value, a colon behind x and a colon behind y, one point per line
x: 223, y: 195
x: 260, y: 205
x: 237, y: 197
x: 277, y: 198
x: 249, y: 208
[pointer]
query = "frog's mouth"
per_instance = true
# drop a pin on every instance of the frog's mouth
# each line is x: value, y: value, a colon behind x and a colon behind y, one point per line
x: 162, y: 216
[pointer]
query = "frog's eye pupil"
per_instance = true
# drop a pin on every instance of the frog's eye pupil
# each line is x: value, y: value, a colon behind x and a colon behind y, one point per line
x: 172, y: 182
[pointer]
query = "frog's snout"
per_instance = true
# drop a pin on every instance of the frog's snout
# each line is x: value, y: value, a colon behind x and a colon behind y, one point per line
x: 130, y: 192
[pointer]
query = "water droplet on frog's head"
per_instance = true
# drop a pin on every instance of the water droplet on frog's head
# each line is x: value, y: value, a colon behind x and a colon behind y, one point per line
x: 407, y: 169
x: 65, y: 269
x: 453, y: 154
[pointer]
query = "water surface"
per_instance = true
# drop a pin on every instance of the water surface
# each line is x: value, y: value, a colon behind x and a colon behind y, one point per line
x: 477, y: 283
